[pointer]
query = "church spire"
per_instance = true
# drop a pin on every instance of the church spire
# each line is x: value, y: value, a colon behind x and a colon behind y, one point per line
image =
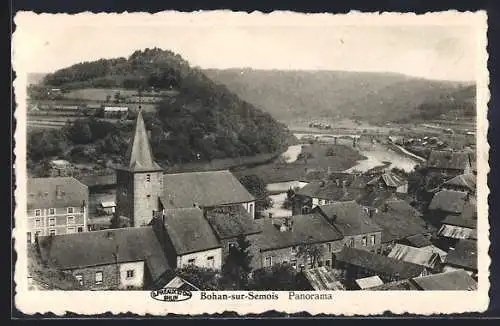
x: 139, y: 156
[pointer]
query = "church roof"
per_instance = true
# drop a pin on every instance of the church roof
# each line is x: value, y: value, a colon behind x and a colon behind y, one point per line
x: 139, y: 157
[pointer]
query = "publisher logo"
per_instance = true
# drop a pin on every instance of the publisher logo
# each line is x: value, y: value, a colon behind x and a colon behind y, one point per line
x: 171, y: 295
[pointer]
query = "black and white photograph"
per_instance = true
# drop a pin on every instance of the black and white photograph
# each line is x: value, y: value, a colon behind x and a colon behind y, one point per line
x: 198, y: 162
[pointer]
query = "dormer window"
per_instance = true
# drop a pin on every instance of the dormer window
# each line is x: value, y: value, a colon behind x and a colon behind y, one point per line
x: 52, y: 211
x: 70, y: 210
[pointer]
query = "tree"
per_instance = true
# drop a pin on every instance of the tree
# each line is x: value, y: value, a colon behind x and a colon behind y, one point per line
x: 257, y: 187
x: 288, y: 202
x: 279, y: 277
x: 79, y: 132
x: 236, y: 267
x: 310, y: 251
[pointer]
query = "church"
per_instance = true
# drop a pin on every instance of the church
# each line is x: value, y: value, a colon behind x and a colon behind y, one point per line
x: 144, y: 189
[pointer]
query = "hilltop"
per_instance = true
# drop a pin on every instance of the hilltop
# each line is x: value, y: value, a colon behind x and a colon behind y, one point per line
x: 203, y: 121
x: 373, y: 97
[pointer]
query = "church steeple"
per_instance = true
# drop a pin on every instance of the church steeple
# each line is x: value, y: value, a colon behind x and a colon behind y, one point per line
x: 139, y: 156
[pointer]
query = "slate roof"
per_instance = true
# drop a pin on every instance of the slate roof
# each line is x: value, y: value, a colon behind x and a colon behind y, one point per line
x: 464, y: 255
x: 417, y: 256
x: 206, y: 189
x: 450, y: 281
x: 400, y: 221
x: 349, y: 218
x: 449, y: 160
x: 232, y: 221
x: 402, y: 285
x: 378, y: 197
x: 189, y: 231
x: 418, y: 240
x: 448, y: 201
x: 98, y: 180
x: 378, y: 263
x: 87, y: 249
x: 42, y: 193
x: 310, y: 228
x: 330, y: 191
x: 463, y: 180
x: 390, y: 180
x: 467, y: 218
x: 139, y: 156
x: 181, y: 284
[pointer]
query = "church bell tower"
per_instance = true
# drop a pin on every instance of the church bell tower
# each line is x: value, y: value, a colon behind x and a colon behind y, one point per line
x: 139, y: 181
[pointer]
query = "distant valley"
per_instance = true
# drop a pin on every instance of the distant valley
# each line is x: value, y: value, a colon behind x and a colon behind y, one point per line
x: 372, y: 97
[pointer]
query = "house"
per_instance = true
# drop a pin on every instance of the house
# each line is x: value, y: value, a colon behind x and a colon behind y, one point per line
x: 354, y: 223
x: 322, y: 279
x: 338, y: 187
x: 188, y: 238
x: 417, y: 241
x: 449, y: 163
x: 463, y: 226
x: 462, y: 257
x: 447, y: 202
x: 206, y: 190
x: 401, y: 285
x: 60, y: 168
x: 115, y: 112
x: 366, y: 283
x: 448, y: 281
x: 389, y: 181
x: 303, y: 241
x: 462, y: 182
x: 143, y: 190
x: 56, y: 206
x: 359, y: 263
x: 107, y: 207
x: 126, y: 258
x: 230, y: 222
x: 399, y: 220
x: 374, y: 198
x: 423, y: 257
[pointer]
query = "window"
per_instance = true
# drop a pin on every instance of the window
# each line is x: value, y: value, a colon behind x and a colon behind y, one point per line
x: 52, y: 221
x: 327, y: 263
x: 148, y: 177
x: 210, y: 261
x: 329, y: 245
x: 52, y: 232
x: 38, y: 212
x: 80, y: 229
x: 98, y: 277
x: 70, y: 210
x: 79, y: 278
x: 305, y: 210
x: 350, y: 242
x: 38, y: 222
x: 191, y: 261
x: 29, y: 237
x: 294, y: 250
x: 269, y: 261
x: 310, y: 261
x: 38, y: 233
x: 71, y: 230
x: 130, y: 273
x: 294, y: 263
x: 372, y: 239
x: 71, y: 220
x: 364, y: 241
x: 82, y: 209
x: 52, y: 211
x: 148, y: 196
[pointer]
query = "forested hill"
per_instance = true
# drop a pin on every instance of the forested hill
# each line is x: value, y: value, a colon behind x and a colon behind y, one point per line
x: 203, y: 121
x: 375, y: 97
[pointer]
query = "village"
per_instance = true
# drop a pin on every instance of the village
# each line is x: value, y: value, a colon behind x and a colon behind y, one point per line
x: 400, y: 221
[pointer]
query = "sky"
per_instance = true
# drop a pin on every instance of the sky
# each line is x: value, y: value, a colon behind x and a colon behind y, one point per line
x: 429, y: 50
